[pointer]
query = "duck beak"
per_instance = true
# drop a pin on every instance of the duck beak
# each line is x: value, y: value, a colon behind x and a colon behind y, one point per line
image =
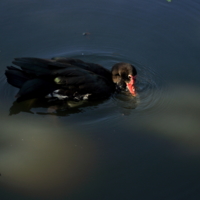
x: 131, y: 86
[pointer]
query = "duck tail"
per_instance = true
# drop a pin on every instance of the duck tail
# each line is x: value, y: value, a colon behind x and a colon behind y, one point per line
x: 16, y: 77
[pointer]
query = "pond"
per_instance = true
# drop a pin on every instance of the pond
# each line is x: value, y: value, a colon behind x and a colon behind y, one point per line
x: 115, y: 148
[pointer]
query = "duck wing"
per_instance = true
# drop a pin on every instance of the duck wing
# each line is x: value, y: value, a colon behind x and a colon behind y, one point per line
x: 39, y: 67
x: 35, y: 88
x: 82, y: 82
x: 92, y: 67
x: 39, y: 77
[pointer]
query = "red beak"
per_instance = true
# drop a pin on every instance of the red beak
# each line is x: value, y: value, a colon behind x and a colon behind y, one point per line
x: 131, y: 86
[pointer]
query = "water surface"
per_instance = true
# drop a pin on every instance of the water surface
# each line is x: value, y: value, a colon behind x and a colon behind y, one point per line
x: 119, y: 148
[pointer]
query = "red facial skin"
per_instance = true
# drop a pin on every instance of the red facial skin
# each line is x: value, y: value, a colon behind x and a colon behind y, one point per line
x: 131, y: 86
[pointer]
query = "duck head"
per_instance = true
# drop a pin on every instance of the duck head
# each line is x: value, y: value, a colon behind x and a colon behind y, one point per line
x: 124, y: 76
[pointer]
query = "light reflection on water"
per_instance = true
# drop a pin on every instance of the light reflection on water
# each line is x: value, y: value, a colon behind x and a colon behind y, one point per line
x: 46, y: 157
x: 175, y: 118
x: 155, y: 100
x: 145, y: 150
x: 42, y: 158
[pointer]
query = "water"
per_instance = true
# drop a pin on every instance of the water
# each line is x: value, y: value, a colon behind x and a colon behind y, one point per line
x: 119, y: 148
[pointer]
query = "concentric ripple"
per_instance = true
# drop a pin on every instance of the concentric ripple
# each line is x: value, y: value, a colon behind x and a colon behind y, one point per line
x: 149, y: 86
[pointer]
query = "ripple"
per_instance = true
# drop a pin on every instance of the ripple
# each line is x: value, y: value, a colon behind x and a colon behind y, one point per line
x: 149, y: 87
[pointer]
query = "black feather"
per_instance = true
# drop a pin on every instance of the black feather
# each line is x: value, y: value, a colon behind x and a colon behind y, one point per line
x: 39, y: 77
x: 16, y: 77
x: 35, y: 88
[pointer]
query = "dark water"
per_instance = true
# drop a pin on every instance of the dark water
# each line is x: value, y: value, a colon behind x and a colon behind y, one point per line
x: 141, y: 149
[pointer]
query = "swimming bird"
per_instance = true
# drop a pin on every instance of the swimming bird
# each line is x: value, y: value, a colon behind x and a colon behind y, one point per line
x: 68, y: 78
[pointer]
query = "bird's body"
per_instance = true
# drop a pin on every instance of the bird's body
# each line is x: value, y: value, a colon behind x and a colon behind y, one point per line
x: 65, y: 78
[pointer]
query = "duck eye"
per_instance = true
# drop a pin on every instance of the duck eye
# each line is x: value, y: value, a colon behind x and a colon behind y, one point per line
x: 129, y: 76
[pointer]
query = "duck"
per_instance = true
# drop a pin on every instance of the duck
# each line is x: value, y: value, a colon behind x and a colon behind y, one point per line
x: 68, y: 79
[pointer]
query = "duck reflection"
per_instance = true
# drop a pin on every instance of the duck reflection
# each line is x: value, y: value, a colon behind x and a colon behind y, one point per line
x: 59, y: 108
x: 125, y: 104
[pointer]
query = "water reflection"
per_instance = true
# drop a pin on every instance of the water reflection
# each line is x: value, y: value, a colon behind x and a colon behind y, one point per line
x: 123, y: 102
x: 44, y: 159
x: 176, y: 117
x: 139, y: 149
x: 44, y: 107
